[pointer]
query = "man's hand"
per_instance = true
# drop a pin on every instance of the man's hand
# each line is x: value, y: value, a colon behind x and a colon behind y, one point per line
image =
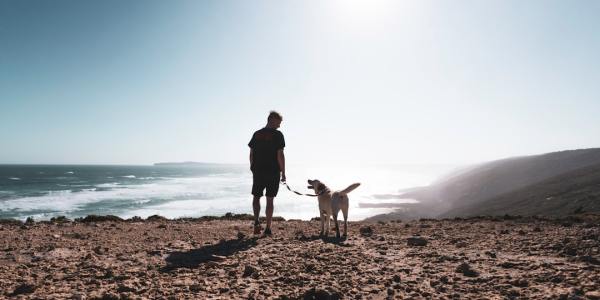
x: 281, y: 162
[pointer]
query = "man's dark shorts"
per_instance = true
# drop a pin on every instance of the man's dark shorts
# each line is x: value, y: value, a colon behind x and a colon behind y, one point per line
x: 265, y: 180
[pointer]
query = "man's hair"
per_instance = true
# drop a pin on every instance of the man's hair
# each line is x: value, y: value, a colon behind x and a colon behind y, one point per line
x: 273, y: 115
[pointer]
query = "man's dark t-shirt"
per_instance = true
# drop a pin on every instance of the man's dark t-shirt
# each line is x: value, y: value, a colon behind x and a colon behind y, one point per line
x: 265, y: 143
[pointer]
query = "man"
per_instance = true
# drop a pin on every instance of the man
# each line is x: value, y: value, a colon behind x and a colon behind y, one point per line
x: 267, y: 163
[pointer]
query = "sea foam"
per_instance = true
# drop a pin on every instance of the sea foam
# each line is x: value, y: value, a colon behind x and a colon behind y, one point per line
x: 126, y: 197
x: 195, y: 193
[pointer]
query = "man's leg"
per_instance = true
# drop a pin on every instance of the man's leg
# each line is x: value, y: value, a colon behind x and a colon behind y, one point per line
x: 269, y: 211
x: 272, y: 188
x: 256, y: 207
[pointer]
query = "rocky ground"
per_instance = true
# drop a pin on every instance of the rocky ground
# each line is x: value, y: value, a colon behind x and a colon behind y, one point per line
x: 491, y: 258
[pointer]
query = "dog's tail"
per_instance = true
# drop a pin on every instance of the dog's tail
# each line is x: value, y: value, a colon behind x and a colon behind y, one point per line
x: 350, y: 188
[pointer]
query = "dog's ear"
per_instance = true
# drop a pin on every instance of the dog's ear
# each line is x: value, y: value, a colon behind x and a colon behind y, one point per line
x: 320, y: 187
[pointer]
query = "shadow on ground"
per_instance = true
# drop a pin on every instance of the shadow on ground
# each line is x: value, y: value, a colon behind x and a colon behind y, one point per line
x: 326, y: 239
x: 216, y: 252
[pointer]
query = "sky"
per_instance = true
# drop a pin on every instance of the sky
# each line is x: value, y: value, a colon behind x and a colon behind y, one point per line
x: 357, y: 82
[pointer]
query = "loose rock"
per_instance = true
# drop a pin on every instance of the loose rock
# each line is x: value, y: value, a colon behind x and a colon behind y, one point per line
x: 366, y: 231
x: 466, y: 270
x: 25, y: 288
x: 416, y: 241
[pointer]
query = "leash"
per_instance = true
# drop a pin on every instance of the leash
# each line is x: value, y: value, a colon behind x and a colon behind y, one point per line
x: 301, y: 194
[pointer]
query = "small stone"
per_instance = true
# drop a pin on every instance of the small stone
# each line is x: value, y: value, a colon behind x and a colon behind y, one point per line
x: 520, y: 283
x: 396, y: 278
x: 513, y: 293
x: 416, y: 241
x: 466, y: 270
x: 318, y: 294
x: 125, y: 289
x: 110, y: 296
x: 98, y: 250
x: 461, y: 244
x: 108, y: 274
x: 570, y: 251
x: 240, y: 235
x: 491, y: 254
x: 557, y: 278
x: 589, y: 259
x: 24, y: 288
x: 249, y: 271
x: 594, y: 295
x: 195, y: 288
x: 507, y: 265
x: 78, y: 297
x: 366, y: 231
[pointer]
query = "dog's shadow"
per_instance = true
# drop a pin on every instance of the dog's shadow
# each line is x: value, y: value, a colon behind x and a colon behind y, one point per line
x: 196, y: 257
x: 326, y: 239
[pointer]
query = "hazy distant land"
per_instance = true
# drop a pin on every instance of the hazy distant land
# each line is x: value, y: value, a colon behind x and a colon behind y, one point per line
x: 552, y: 184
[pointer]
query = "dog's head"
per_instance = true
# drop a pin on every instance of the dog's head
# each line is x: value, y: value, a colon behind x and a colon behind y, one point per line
x: 316, y: 185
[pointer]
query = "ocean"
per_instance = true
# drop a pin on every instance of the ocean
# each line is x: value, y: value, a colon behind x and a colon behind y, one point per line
x: 172, y: 191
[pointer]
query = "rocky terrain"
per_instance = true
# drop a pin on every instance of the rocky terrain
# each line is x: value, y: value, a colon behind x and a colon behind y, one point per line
x: 477, y: 258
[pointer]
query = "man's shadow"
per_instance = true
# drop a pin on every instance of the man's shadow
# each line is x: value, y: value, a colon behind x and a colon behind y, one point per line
x: 196, y: 257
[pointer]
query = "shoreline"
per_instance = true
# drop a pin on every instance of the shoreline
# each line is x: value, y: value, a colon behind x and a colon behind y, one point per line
x: 248, y: 217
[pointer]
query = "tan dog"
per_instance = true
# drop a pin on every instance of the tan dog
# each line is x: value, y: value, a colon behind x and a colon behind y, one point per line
x: 330, y: 205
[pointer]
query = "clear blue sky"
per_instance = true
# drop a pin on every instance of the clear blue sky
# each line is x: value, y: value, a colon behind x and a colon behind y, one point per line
x: 356, y: 81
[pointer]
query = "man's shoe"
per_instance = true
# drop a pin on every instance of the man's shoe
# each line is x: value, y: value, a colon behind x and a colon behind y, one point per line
x: 257, y: 229
x: 267, y: 231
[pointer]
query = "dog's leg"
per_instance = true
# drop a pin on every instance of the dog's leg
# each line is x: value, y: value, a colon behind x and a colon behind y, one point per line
x: 345, y: 213
x: 322, y: 224
x: 337, y: 226
x: 327, y: 224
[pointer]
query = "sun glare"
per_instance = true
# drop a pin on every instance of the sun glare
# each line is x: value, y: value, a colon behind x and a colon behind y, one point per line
x: 363, y: 13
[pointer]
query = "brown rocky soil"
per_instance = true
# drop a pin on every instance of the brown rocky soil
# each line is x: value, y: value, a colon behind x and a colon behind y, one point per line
x: 491, y: 258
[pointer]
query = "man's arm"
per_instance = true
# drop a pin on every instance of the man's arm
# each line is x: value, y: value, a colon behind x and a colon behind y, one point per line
x: 281, y: 161
x: 251, y: 156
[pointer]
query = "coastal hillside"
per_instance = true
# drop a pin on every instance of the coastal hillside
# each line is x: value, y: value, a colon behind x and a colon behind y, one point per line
x: 574, y: 192
x: 467, y: 188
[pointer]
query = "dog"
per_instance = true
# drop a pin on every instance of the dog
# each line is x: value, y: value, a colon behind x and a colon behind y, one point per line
x: 330, y: 204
